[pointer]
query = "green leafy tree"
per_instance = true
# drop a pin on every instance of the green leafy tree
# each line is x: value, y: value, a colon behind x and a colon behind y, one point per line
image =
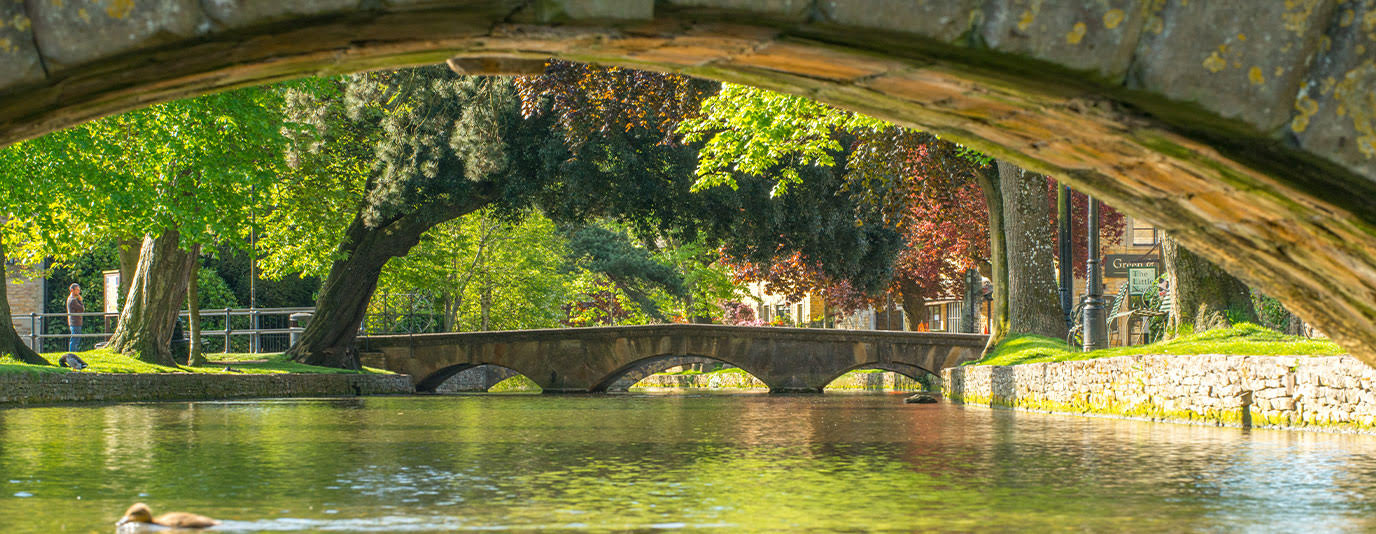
x: 446, y: 145
x: 485, y: 272
x: 178, y: 176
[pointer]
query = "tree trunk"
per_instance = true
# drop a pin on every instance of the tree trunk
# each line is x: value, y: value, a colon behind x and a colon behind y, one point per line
x: 1295, y: 326
x: 1034, y: 305
x: 998, y: 259
x: 328, y: 339
x: 156, y: 293
x: 1203, y: 296
x: 196, y: 355
x: 486, y: 306
x: 914, y: 306
x: 10, y: 343
x: 128, y: 261
x: 969, y: 316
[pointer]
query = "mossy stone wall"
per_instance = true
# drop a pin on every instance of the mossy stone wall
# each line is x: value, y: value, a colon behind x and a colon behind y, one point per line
x: 1297, y: 392
x: 49, y: 388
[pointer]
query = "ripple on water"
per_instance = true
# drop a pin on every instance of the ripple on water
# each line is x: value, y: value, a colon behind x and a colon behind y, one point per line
x: 739, y: 463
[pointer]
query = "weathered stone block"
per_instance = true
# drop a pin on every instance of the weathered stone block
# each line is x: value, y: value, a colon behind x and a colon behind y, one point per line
x: 1094, y: 36
x: 74, y: 32
x: 237, y: 13
x: 1334, y: 113
x: 19, y: 60
x: 940, y: 20
x: 1244, y: 63
x: 791, y: 10
x: 545, y: 11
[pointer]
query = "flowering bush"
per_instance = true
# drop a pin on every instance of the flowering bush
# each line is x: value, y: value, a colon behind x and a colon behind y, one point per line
x: 739, y: 314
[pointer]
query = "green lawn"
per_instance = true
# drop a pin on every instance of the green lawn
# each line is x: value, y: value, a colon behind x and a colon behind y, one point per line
x: 105, y: 361
x: 1242, y: 339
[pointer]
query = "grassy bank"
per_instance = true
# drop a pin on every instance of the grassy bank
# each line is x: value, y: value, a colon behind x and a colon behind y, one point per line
x: 105, y: 361
x: 1242, y: 339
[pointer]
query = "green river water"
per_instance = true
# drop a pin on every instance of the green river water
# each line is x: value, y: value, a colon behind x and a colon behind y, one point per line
x: 723, y: 463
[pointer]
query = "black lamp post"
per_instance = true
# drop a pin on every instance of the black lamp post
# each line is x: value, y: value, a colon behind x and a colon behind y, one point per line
x: 1096, y: 325
x: 1064, y: 260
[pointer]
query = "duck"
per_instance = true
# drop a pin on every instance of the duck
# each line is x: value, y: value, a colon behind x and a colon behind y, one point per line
x: 140, y: 515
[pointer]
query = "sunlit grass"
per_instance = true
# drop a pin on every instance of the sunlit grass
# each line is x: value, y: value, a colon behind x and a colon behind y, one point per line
x: 106, y: 361
x: 1242, y: 339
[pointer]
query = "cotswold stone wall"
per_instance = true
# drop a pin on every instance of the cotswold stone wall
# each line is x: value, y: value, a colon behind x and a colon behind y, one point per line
x: 82, y: 387
x: 1337, y: 392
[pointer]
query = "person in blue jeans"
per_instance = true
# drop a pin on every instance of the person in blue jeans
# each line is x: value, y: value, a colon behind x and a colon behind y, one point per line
x: 74, y: 306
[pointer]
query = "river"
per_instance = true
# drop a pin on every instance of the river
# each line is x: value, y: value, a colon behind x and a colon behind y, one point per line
x: 696, y: 462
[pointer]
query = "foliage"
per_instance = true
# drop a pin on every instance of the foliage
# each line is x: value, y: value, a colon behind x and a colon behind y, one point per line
x: 598, y: 305
x: 739, y: 314
x: 590, y: 101
x: 633, y: 270
x: 647, y: 182
x: 188, y: 165
x: 516, y: 384
x: 1239, y: 339
x: 1111, y: 224
x: 1270, y: 312
x: 755, y: 132
x: 482, y: 261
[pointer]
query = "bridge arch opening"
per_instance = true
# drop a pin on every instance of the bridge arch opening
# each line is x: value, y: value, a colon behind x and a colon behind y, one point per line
x: 887, y: 376
x: 477, y: 378
x: 1265, y: 174
x: 687, y: 371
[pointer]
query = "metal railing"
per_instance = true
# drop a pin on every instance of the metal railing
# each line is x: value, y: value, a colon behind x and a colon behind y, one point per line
x: 251, y: 330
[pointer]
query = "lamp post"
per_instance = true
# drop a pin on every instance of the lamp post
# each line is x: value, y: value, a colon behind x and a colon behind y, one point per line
x: 1064, y: 260
x: 1096, y: 327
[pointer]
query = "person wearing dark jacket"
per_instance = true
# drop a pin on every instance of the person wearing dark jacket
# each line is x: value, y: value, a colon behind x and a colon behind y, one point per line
x: 74, y: 306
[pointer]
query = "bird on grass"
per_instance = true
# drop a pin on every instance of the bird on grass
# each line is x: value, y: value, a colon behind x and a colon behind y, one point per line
x: 139, y: 515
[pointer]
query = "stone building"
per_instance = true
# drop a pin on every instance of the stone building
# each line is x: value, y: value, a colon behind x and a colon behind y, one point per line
x: 26, y: 289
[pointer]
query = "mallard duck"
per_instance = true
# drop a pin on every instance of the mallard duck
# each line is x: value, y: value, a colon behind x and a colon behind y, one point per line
x: 139, y: 513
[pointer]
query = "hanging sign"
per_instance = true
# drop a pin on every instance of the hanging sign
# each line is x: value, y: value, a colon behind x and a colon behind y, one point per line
x: 1117, y: 265
x: 1141, y: 280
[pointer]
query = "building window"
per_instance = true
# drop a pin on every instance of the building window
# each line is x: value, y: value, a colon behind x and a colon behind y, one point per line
x: 934, y: 318
x: 1144, y: 234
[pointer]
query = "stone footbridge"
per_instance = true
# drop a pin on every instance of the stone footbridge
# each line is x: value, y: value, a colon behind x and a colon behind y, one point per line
x: 606, y: 358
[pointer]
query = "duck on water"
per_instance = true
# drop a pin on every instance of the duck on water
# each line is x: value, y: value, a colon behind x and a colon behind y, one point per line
x: 139, y: 518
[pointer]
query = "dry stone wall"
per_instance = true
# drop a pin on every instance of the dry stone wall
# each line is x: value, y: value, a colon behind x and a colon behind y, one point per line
x: 48, y: 388
x: 1301, y: 392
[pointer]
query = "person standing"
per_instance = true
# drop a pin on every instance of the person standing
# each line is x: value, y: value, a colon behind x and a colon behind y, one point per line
x: 74, y: 306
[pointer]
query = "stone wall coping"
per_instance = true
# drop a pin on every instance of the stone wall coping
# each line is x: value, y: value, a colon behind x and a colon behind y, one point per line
x: 58, y: 388
x: 713, y: 330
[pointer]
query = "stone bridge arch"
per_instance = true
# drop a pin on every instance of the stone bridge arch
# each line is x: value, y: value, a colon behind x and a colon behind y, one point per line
x: 914, y: 372
x: 1242, y: 127
x: 593, y: 359
x: 622, y: 379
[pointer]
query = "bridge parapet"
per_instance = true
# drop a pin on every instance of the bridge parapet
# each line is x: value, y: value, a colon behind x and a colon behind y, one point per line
x: 593, y: 359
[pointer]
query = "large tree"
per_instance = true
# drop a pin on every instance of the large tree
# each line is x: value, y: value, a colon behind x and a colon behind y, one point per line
x: 447, y: 144
x: 1033, y: 303
x: 176, y: 175
x: 1202, y: 295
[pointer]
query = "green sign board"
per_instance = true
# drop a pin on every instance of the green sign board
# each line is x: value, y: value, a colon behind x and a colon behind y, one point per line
x: 1141, y: 280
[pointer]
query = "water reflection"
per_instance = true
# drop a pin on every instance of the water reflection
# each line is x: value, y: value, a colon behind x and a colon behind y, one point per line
x: 647, y: 462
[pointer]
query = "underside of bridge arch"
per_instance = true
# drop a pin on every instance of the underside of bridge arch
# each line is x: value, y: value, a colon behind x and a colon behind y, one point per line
x: 622, y: 379
x: 480, y: 377
x: 1243, y: 128
x: 911, y: 371
x: 475, y: 379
